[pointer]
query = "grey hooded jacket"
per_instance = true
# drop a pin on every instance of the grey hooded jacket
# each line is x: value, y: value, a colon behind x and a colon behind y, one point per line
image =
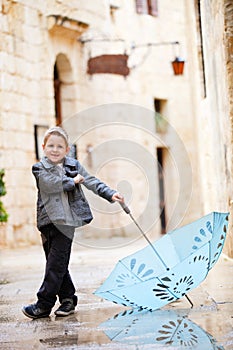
x: 53, y: 182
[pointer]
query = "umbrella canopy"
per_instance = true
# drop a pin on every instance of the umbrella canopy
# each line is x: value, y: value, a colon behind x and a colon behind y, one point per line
x: 170, y: 267
x: 160, y: 327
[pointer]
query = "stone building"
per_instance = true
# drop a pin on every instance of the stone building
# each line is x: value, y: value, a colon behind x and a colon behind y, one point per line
x: 103, y: 70
x: 215, y: 108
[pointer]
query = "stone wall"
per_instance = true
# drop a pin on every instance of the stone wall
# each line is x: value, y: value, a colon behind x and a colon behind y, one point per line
x: 20, y: 104
x: 214, y: 127
x: 228, y: 39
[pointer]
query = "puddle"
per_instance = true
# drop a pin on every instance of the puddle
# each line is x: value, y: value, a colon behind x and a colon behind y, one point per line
x: 108, y: 327
x: 166, y: 329
x: 161, y: 329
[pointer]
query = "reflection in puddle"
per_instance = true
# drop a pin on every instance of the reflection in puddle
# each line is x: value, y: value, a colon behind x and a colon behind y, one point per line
x: 164, y: 327
x: 61, y: 341
x: 78, y: 329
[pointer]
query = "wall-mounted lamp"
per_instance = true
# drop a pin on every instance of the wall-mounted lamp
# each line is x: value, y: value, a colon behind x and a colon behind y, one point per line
x: 178, y: 62
x: 178, y: 66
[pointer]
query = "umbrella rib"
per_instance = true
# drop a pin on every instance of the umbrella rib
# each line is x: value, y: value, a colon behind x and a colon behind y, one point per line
x: 189, y: 300
x: 117, y: 334
x: 175, y: 331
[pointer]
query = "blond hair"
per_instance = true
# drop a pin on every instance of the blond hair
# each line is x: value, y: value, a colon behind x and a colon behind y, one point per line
x: 56, y: 130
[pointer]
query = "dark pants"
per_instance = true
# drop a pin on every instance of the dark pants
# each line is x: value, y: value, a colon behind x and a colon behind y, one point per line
x: 57, y: 281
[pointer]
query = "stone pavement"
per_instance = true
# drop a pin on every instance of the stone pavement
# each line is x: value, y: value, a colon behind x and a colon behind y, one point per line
x: 209, y: 325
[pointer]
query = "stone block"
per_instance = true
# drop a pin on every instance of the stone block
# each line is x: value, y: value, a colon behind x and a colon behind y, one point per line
x: 8, y: 63
x: 33, y: 35
x: 32, y: 17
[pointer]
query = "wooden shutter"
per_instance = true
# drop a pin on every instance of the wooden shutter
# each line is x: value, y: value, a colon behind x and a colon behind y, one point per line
x: 153, y: 7
x: 142, y: 6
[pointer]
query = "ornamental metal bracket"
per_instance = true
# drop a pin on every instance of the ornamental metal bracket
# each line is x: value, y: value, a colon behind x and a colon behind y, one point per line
x: 118, y: 63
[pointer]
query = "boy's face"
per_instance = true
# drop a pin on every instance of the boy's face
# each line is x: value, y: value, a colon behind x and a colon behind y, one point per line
x: 55, y: 149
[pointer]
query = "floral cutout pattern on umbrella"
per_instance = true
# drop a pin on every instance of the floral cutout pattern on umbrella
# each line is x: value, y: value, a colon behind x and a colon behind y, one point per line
x: 178, y: 262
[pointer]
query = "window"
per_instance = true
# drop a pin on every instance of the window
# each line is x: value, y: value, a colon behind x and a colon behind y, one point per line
x: 200, y: 47
x: 160, y: 158
x: 149, y: 7
x: 160, y: 121
x: 39, y: 131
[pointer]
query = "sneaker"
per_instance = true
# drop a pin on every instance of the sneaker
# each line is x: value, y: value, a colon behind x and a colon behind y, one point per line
x: 66, y: 308
x: 33, y: 311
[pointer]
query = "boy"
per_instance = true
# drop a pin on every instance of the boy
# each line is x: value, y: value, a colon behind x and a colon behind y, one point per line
x: 61, y: 206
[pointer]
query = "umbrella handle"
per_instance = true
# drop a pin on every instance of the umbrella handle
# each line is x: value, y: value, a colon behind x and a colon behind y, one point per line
x: 124, y: 207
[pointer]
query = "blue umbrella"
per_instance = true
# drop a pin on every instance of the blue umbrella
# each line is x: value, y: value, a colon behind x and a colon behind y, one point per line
x: 160, y: 327
x: 169, y: 268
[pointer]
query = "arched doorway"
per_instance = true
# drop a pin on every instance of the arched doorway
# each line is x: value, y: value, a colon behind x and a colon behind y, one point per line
x: 57, y: 95
x: 64, y: 92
